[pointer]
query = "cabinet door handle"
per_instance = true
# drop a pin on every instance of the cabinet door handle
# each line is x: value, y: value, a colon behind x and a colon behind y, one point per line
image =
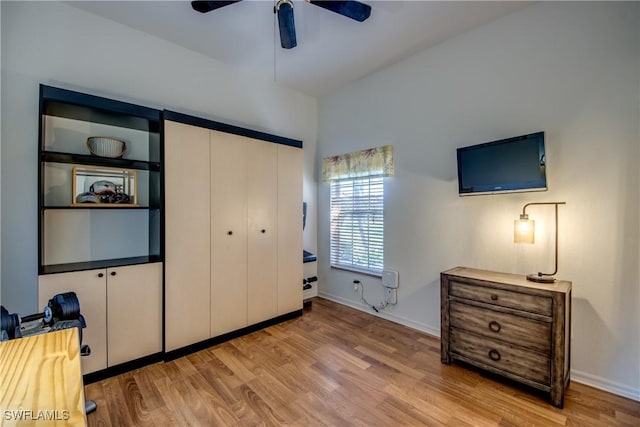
x: 263, y: 231
x: 494, y: 326
x: 100, y: 274
x: 494, y: 297
x: 113, y: 273
x: 229, y: 232
x: 494, y: 355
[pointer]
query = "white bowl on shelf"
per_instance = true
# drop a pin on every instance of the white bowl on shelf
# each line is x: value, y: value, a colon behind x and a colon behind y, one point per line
x: 105, y: 146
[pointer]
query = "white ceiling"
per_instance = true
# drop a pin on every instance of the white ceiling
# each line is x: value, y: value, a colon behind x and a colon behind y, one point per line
x: 332, y: 50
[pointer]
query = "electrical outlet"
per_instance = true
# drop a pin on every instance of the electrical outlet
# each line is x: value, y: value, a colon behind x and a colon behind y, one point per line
x: 391, y: 295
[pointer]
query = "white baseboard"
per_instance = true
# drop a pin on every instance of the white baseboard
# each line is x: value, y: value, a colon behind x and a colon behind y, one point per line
x: 577, y: 376
x: 605, y: 385
x: 382, y: 314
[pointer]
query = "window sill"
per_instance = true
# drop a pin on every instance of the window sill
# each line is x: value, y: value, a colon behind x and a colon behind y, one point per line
x: 356, y: 270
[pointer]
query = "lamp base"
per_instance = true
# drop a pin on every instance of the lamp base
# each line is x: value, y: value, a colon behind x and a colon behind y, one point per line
x: 539, y: 278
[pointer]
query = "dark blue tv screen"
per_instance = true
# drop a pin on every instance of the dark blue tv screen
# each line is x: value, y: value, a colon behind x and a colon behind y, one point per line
x: 506, y: 165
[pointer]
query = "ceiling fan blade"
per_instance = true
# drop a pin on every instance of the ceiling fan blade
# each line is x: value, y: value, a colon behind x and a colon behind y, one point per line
x: 284, y: 9
x: 351, y: 9
x: 208, y: 6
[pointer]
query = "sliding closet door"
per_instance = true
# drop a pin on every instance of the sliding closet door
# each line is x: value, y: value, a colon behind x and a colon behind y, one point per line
x: 228, y: 232
x: 290, y: 161
x: 187, y: 235
x: 262, y: 192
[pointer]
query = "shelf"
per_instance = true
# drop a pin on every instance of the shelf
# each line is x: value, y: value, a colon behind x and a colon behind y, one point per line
x: 95, y: 206
x: 87, y: 159
x: 79, y: 106
x: 94, y: 265
x: 75, y: 236
x: 308, y: 257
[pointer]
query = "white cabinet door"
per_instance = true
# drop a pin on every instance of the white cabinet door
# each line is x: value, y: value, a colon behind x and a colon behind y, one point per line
x: 228, y: 232
x: 252, y: 243
x: 187, y: 235
x: 262, y: 209
x: 90, y: 288
x: 134, y: 312
x: 290, y: 162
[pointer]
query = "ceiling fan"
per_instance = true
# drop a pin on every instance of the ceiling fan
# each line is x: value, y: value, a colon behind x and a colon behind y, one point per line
x: 284, y: 9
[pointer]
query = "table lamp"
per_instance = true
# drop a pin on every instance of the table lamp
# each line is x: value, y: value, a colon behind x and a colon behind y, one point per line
x: 524, y: 232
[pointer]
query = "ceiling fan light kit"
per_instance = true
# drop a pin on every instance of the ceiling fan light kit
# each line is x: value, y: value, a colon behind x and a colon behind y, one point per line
x: 284, y: 9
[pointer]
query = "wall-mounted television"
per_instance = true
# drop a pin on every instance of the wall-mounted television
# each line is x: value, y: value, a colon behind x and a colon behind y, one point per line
x: 507, y: 165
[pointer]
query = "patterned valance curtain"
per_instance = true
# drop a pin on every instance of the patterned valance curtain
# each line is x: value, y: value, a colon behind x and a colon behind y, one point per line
x: 359, y: 164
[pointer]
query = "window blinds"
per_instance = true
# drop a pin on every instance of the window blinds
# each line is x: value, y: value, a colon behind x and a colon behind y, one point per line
x: 357, y: 224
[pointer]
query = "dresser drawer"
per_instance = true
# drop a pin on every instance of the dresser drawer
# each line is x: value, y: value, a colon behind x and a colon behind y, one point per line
x: 526, y: 364
x: 531, y: 303
x: 524, y: 332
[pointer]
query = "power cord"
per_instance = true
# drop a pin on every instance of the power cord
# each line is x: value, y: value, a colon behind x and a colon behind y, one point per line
x: 376, y: 308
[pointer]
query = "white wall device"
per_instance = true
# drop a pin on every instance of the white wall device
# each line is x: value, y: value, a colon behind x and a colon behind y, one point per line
x: 390, y: 279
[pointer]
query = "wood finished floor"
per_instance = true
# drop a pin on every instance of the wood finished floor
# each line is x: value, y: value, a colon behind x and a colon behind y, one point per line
x: 336, y: 366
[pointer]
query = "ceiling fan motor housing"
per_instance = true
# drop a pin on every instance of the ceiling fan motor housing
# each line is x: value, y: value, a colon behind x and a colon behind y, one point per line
x: 286, y: 24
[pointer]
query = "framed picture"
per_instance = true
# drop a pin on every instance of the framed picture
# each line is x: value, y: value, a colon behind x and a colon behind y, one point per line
x: 104, y: 187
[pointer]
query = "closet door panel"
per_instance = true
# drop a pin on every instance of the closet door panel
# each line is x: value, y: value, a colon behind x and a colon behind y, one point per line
x: 187, y: 235
x: 262, y: 209
x: 290, y: 161
x: 228, y: 232
x: 134, y: 312
x: 91, y: 290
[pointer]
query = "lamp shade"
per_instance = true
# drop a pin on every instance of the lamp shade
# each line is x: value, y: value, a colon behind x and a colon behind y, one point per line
x: 524, y: 230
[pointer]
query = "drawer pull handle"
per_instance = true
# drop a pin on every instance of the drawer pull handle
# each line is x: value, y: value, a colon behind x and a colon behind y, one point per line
x: 494, y: 355
x: 494, y: 326
x: 494, y: 297
x: 229, y: 232
x: 100, y: 274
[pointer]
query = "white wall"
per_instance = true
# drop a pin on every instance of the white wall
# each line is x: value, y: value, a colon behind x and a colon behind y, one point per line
x: 569, y: 69
x: 59, y: 45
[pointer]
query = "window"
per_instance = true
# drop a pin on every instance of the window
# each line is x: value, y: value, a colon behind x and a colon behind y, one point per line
x: 357, y: 224
x: 357, y: 207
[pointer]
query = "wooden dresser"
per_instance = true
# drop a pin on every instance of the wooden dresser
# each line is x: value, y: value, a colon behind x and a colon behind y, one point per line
x: 509, y: 326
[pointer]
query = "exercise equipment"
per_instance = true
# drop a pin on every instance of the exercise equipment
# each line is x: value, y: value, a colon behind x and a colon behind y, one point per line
x: 61, y: 312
